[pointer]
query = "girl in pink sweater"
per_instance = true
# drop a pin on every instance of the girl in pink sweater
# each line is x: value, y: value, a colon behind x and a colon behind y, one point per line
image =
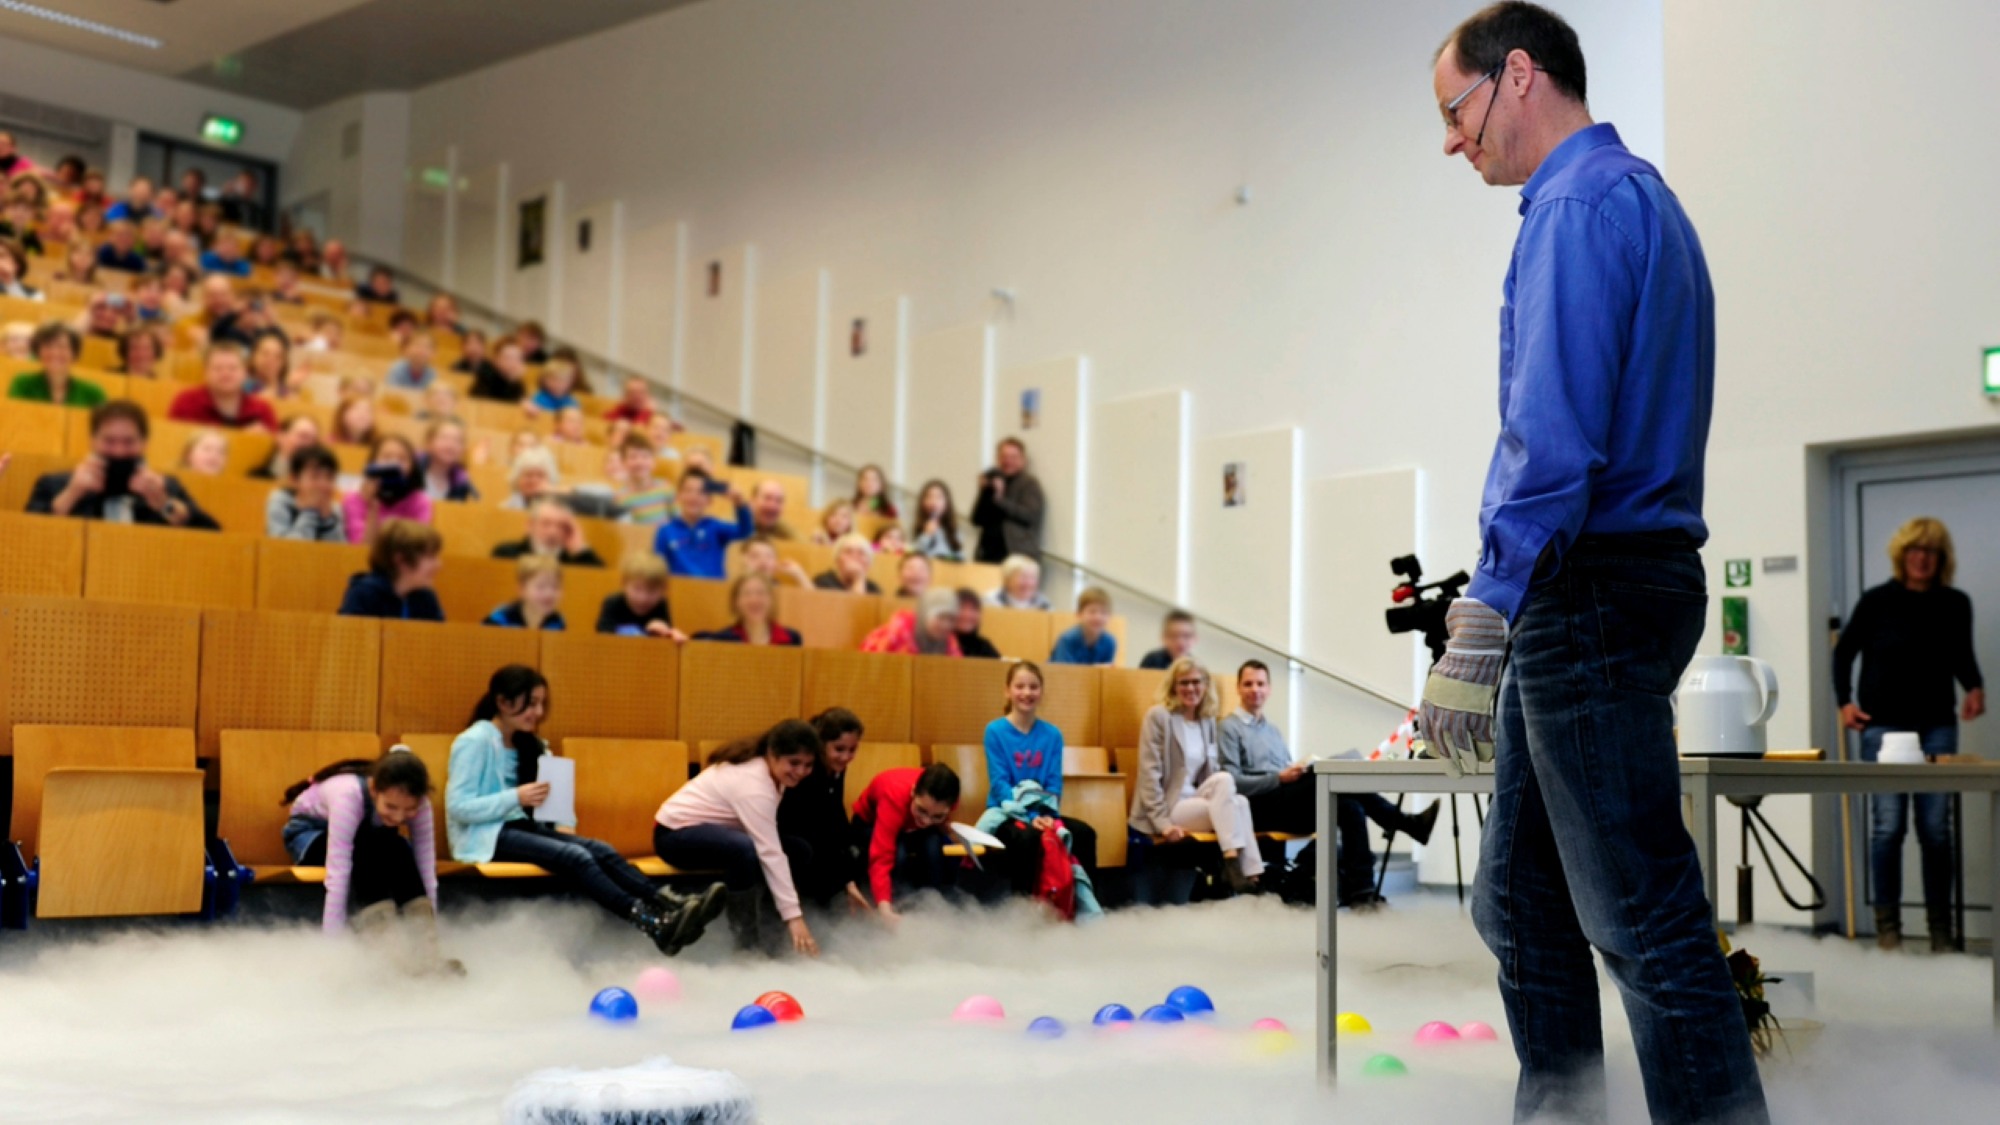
x: 726, y: 819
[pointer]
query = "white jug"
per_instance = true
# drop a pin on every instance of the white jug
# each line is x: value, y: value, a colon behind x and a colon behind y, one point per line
x: 1723, y: 704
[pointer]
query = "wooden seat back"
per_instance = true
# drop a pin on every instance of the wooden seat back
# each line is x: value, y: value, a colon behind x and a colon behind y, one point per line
x: 610, y: 687
x: 876, y: 687
x: 1124, y: 696
x: 43, y: 555
x: 731, y: 690
x: 969, y: 763
x: 874, y: 757
x: 306, y: 577
x: 828, y: 618
x: 1019, y: 634
x: 433, y: 674
x: 1099, y: 800
x: 120, y: 842
x: 258, y: 766
x: 68, y: 661
x: 620, y: 785
x: 169, y: 566
x: 1085, y: 760
x: 34, y: 427
x: 263, y: 670
x: 699, y: 605
x: 39, y: 749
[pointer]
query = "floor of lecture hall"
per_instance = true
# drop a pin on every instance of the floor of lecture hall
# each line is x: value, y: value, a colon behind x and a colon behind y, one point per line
x: 271, y: 1022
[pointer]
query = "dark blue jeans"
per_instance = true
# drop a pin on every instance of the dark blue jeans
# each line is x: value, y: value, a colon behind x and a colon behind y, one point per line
x: 592, y: 866
x: 1888, y: 822
x: 712, y: 847
x: 1585, y: 847
x: 920, y: 862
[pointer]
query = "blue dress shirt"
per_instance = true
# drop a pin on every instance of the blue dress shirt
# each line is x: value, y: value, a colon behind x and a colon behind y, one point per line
x: 1607, y: 367
x: 696, y: 550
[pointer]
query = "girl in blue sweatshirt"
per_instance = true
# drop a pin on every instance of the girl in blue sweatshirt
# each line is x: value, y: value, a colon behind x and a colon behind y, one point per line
x: 1022, y: 747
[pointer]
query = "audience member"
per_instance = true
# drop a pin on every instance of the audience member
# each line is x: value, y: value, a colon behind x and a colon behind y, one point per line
x: 391, y: 488
x: 221, y: 400
x: 639, y: 608
x: 137, y: 204
x: 890, y: 540
x: 1089, y: 641
x: 329, y: 332
x: 556, y: 390
x: 149, y: 301
x: 441, y: 314
x: 727, y: 819
x: 635, y: 405
x: 113, y: 482
x: 539, y: 582
x: 966, y: 628
x: 55, y: 345
x: 531, y: 475
x: 1177, y: 637
x: 140, y: 352
x: 913, y: 577
x: 1181, y: 785
x: 80, y: 264
x: 1009, y: 511
x: 225, y: 256
x: 815, y: 811
x: 17, y: 340
x: 472, y: 354
x: 443, y: 464
x: 642, y: 497
x: 534, y: 342
x: 871, y: 493
x: 694, y: 542
x: 108, y: 316
x: 333, y: 264
x: 928, y: 630
x: 14, y: 271
x: 1281, y: 792
x: 17, y: 226
x: 206, y: 454
x: 1020, y: 585
x: 767, y: 510
x: 849, y: 573
x: 380, y: 288
x: 121, y: 250
x: 400, y: 582
x: 570, y: 427
x: 835, y: 523
x: 227, y: 317
x: 440, y: 403
x: 505, y: 377
x: 349, y: 818
x: 286, y: 288
x: 307, y: 506
x: 296, y: 433
x: 414, y: 371
x: 271, y: 367
x: 1024, y: 757
x: 553, y: 531
x: 760, y: 556
x: 354, y: 420
x: 899, y: 828
x: 752, y: 600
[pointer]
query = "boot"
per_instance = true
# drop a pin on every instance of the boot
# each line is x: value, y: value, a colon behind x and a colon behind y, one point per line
x: 663, y: 927
x: 706, y: 904
x: 375, y: 922
x: 1888, y: 927
x: 1941, y: 936
x: 420, y: 929
x: 1418, y: 827
x: 742, y: 910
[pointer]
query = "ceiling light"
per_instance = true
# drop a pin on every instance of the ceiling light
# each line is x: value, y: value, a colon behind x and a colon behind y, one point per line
x: 80, y: 24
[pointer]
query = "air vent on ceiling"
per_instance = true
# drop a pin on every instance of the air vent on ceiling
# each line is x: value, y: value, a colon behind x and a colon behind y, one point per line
x: 350, y: 140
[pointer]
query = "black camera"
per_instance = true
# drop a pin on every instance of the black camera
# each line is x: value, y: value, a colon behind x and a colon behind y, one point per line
x: 1420, y: 608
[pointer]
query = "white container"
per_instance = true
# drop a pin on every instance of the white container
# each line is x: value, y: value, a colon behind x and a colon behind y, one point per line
x: 1901, y: 748
x: 1723, y: 704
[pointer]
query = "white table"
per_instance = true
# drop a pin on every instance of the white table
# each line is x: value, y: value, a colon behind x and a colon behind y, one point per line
x: 1703, y: 781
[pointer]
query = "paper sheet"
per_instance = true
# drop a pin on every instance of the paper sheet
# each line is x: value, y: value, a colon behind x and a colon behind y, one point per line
x: 560, y: 773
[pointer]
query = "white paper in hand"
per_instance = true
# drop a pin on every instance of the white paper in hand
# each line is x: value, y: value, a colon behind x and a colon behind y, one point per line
x: 970, y: 835
x: 560, y: 773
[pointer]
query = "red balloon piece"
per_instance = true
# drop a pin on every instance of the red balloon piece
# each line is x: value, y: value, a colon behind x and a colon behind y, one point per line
x: 781, y: 1005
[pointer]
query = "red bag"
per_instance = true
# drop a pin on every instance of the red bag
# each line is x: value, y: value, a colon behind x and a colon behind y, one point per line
x: 1057, y: 886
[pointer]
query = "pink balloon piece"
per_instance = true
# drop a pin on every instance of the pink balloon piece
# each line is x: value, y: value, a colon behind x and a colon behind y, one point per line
x: 658, y: 984
x: 1477, y: 1030
x: 1437, y: 1031
x: 1269, y: 1025
x: 979, y: 1009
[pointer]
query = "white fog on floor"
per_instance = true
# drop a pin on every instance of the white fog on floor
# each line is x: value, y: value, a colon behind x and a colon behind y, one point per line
x: 276, y: 1024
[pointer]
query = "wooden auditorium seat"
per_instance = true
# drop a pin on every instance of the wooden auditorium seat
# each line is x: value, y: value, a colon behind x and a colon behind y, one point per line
x: 1019, y: 634
x: 953, y: 700
x: 1099, y: 800
x: 43, y: 555
x: 969, y: 763
x: 257, y: 767
x: 237, y: 503
x: 699, y: 605
x: 34, y: 427
x: 119, y: 842
x: 39, y: 749
x: 875, y: 686
x: 266, y: 671
x: 828, y: 619
x: 1078, y: 760
x: 73, y: 662
x: 433, y: 674
x: 874, y: 757
x: 1071, y: 701
x: 306, y: 577
x: 169, y: 566
x: 18, y: 482
x: 731, y: 690
x: 620, y: 784
x: 610, y: 687
x: 1124, y: 697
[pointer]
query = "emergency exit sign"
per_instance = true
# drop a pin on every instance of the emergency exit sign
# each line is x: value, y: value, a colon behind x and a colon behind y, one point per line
x: 1992, y: 366
x: 219, y: 130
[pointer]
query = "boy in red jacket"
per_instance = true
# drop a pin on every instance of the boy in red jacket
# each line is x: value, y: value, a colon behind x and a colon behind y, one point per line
x: 899, y: 803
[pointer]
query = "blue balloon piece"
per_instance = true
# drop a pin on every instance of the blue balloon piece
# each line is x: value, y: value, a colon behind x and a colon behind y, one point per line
x: 1160, y: 1013
x: 1112, y: 1013
x: 1190, y: 1001
x: 1046, y: 1027
x: 615, y: 1005
x: 752, y: 1016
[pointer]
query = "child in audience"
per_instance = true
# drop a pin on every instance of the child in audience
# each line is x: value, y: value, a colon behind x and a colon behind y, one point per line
x: 504, y: 378
x: 643, y: 498
x: 755, y: 606
x: 835, y: 523
x: 693, y: 542
x: 443, y: 463
x: 760, y: 556
x: 1181, y: 785
x: 913, y: 577
x: 354, y: 420
x: 727, y: 819
x: 635, y: 405
x: 140, y: 352
x: 1177, y: 637
x: 271, y: 367
x: 391, y: 488
x: 891, y: 541
x: 17, y: 340
x: 440, y: 403
x: 871, y: 493
x: 970, y: 641
x: 849, y: 573
x: 640, y: 608
x: 815, y: 810
x: 349, y: 818
x: 1020, y: 585
x: 1021, y: 748
x: 403, y: 562
x: 489, y: 801
x: 539, y: 579
x: 294, y: 434
x: 328, y: 333
x: 899, y: 827
x: 569, y: 428
x: 1089, y: 641
x: 557, y: 391
x: 307, y: 506
x: 206, y: 454
x: 14, y: 273
x: 928, y: 630
x: 532, y: 341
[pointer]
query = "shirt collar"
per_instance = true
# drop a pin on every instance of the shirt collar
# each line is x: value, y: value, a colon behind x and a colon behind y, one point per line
x: 1566, y: 154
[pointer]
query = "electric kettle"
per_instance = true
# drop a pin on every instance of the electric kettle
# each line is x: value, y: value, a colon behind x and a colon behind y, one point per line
x: 1723, y: 704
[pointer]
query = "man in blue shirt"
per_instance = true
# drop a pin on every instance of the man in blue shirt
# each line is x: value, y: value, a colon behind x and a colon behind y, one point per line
x: 1591, y: 591
x: 694, y: 542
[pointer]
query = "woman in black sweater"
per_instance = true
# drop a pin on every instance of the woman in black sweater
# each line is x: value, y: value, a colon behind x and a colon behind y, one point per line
x: 815, y: 810
x: 1914, y: 637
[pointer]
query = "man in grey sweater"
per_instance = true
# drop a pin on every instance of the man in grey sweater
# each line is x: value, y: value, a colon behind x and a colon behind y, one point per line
x: 1280, y: 790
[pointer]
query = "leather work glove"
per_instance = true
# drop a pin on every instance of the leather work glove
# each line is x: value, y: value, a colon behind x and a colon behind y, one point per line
x: 1456, y: 716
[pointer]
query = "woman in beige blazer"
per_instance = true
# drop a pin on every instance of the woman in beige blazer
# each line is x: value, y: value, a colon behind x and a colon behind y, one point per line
x: 1182, y: 786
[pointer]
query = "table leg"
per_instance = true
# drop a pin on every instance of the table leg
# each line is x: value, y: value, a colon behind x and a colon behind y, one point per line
x: 1701, y: 825
x: 1325, y: 848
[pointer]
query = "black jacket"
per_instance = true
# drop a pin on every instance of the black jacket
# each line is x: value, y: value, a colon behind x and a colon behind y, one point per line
x: 374, y: 595
x: 522, y: 546
x: 617, y: 614
x: 976, y: 646
x: 815, y: 810
x: 1912, y: 647
x: 1012, y: 524
x: 488, y: 383
x: 47, y: 488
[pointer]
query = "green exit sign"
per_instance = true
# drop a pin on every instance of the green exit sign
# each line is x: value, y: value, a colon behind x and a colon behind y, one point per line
x: 1993, y: 372
x: 218, y: 130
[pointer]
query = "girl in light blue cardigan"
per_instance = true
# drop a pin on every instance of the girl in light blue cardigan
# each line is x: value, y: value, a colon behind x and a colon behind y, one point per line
x: 488, y: 798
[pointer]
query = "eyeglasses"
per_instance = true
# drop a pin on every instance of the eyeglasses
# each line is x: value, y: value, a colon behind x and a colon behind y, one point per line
x: 1451, y: 107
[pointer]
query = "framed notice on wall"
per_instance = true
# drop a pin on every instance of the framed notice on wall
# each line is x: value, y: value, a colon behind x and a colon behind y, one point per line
x: 534, y: 231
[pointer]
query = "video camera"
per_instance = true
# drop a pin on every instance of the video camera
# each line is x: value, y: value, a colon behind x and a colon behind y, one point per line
x: 1415, y: 613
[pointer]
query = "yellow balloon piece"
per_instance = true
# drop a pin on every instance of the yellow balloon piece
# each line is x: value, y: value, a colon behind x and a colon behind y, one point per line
x: 1274, y: 1042
x: 1352, y: 1023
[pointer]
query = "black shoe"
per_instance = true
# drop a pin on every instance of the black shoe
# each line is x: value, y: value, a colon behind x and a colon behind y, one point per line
x: 696, y: 912
x: 1418, y: 826
x: 661, y: 926
x: 706, y: 904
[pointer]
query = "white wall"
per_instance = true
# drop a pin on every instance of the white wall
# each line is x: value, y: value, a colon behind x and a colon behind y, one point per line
x: 366, y: 190
x: 156, y: 104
